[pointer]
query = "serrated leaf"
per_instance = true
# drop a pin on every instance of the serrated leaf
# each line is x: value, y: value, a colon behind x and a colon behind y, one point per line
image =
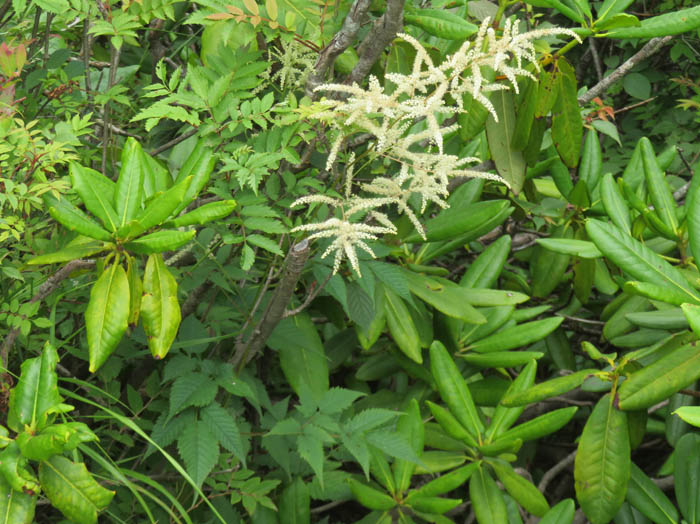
x: 360, y: 305
x: 310, y: 449
x: 224, y: 428
x: 199, y: 449
x: 369, y: 419
x: 267, y: 225
x: 336, y: 400
x: 265, y: 243
x: 167, y: 429
x: 72, y: 489
x: 194, y: 389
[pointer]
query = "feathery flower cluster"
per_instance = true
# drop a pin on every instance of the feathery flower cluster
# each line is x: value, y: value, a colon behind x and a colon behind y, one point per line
x: 389, y: 115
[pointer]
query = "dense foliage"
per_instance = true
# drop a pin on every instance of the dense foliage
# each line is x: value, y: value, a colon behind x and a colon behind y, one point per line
x: 355, y: 261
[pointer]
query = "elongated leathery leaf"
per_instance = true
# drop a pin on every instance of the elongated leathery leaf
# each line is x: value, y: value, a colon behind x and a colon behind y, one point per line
x: 687, y: 484
x: 96, y: 192
x: 602, y: 467
x: 36, y: 391
x: 615, y: 206
x: 510, y: 162
x: 129, y: 191
x: 74, y: 219
x: 522, y: 490
x: 15, y: 507
x: 648, y: 498
x: 660, y: 380
x: 567, y: 126
x: 693, y: 214
x: 107, y: 314
x: 487, y: 499
x: 70, y: 487
x: 636, y: 259
x: 160, y: 309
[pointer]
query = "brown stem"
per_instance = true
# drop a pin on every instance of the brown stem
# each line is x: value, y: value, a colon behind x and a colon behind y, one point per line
x: 294, y: 265
x: 338, y: 44
x: 381, y: 35
x: 645, y: 52
x: 175, y: 141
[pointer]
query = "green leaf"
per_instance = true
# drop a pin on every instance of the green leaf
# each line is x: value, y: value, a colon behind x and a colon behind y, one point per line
x: 264, y: 242
x: 107, y: 314
x: 549, y: 388
x: 216, y: 211
x: 453, y: 389
x: 160, y: 309
x: 163, y: 240
x: 337, y: 400
x: 36, y: 392
x: 15, y: 507
x: 310, y: 448
x: 693, y: 215
x: 54, y: 440
x: 669, y: 374
x: 521, y: 489
x: 486, y: 268
x: 199, y: 450
x: 526, y: 114
x: 637, y: 259
x: 657, y: 185
x: 302, y: 355
x: 517, y: 336
x: 370, y: 497
x: 445, y: 296
x: 487, y: 499
x: 671, y: 23
x: 128, y: 192
x: 224, y: 428
x: 192, y: 389
x: 440, y: 23
x: 691, y: 414
x: 685, y: 471
x: 401, y: 326
x: 15, y: 469
x: 158, y: 209
x: 567, y: 126
x: 504, y: 417
x: 97, y: 193
x: 459, y: 220
x: 602, y: 467
x: 411, y: 427
x: 295, y: 503
x: 648, y: 498
x: 540, y: 426
x: 510, y: 162
x: 69, y: 253
x: 636, y: 85
x: 562, y: 513
x: 72, y: 489
x: 569, y: 246
x: 614, y: 204
x: 74, y: 219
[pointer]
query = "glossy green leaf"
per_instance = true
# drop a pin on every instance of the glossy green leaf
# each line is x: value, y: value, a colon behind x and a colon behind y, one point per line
x: 570, y: 246
x: 547, y: 389
x: 74, y: 219
x: 500, y: 359
x: 521, y: 489
x: 487, y: 500
x: 615, y: 206
x: 562, y: 513
x: 72, y: 489
x: 687, y: 482
x: 128, y: 193
x: 517, y: 336
x: 160, y: 309
x: 445, y: 483
x: 204, y: 214
x: 370, y: 497
x: 458, y: 220
x: 504, y: 417
x: 443, y: 295
x: 199, y: 165
x: 36, y: 392
x: 494, y: 297
x: 15, y: 507
x: 591, y: 160
x: 691, y: 414
x: 540, y: 426
x: 636, y: 259
x: 439, y: 461
x: 69, y: 253
x: 660, y: 380
x: 567, y: 126
x: 97, y: 193
x: 485, y: 270
x: 54, y: 440
x: 401, y: 326
x: 602, y: 467
x: 671, y: 23
x: 692, y: 205
x: 135, y: 291
x: 648, y: 498
x: 548, y: 268
x: 163, y: 240
x: 411, y: 427
x: 526, y: 115
x: 670, y: 319
x: 450, y: 424
x: 107, y: 314
x: 440, y: 23
x: 158, y: 209
x: 16, y: 471
x: 655, y: 292
x: 657, y: 185
x: 509, y: 161
x: 612, y: 7
x: 453, y: 389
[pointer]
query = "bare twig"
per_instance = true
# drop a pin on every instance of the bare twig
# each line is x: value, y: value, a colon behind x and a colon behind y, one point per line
x: 44, y: 291
x: 551, y: 473
x: 645, y: 52
x: 175, y: 141
x: 310, y: 298
x: 596, y: 58
x: 296, y: 259
x: 381, y: 35
x: 338, y: 44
